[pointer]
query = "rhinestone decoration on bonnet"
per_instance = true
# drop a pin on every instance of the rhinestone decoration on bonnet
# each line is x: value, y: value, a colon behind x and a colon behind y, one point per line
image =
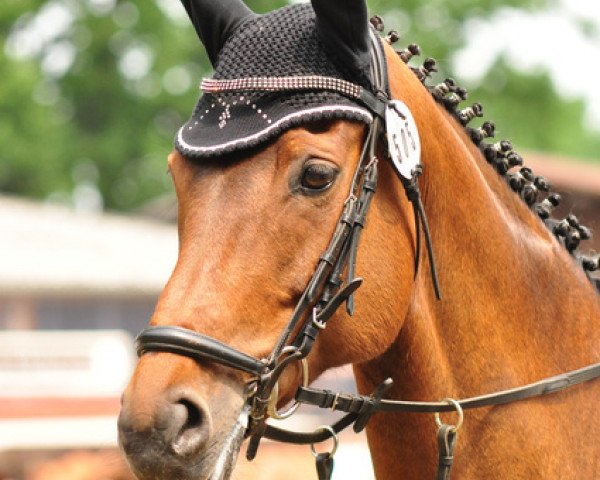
x: 289, y: 46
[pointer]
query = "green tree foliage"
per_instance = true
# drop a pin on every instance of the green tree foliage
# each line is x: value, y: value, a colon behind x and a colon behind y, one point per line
x: 92, y: 91
x: 533, y: 116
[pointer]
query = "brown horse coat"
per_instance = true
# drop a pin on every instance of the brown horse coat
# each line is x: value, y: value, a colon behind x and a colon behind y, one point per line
x: 515, y: 306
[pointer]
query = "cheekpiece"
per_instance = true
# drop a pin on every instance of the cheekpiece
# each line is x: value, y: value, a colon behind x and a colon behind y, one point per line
x: 272, y: 74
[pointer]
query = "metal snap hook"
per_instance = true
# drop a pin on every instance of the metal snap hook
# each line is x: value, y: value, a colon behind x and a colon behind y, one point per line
x: 459, y: 412
x: 336, y: 441
x: 274, y: 397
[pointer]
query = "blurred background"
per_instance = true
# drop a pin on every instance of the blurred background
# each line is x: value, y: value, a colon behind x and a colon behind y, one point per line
x: 91, y: 95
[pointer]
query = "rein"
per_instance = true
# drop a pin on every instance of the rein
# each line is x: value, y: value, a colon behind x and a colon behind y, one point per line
x: 328, y: 288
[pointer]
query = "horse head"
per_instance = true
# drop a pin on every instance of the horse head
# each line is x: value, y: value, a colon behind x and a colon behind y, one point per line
x: 275, y: 173
x: 261, y: 181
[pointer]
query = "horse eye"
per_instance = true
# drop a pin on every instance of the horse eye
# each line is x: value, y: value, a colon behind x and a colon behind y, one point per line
x: 318, y: 175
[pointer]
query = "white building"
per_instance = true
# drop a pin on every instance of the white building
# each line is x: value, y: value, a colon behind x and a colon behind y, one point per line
x: 74, y: 290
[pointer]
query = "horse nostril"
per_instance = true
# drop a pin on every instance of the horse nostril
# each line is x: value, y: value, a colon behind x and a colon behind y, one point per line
x: 194, y: 415
x: 188, y: 426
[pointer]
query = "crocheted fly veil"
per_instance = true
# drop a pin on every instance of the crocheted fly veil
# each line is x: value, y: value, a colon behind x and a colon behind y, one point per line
x: 274, y: 72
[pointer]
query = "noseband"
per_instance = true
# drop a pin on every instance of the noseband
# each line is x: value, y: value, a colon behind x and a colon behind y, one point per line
x: 328, y: 288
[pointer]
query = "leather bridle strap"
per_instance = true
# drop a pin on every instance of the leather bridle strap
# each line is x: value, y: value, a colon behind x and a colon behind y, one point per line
x: 364, y: 406
x: 197, y: 346
x: 355, y: 404
x: 323, y: 295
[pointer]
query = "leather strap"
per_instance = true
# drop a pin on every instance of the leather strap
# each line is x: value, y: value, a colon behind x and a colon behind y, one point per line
x: 324, y: 463
x: 306, y: 438
x: 373, y: 102
x: 197, y: 346
x: 376, y: 102
x: 369, y: 407
x: 446, y: 438
x: 353, y: 403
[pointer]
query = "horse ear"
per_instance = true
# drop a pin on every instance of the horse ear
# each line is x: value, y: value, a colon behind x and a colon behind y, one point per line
x: 215, y: 21
x: 343, y: 27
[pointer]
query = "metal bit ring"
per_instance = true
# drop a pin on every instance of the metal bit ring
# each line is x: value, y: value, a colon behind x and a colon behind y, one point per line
x: 274, y: 397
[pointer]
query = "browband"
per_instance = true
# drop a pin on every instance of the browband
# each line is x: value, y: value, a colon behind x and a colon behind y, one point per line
x: 375, y: 103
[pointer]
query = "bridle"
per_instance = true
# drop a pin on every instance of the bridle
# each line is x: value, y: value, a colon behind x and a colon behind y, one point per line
x: 333, y: 283
x: 324, y: 293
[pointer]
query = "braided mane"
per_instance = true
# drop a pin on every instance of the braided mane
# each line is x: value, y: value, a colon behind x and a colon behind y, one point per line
x: 534, y: 190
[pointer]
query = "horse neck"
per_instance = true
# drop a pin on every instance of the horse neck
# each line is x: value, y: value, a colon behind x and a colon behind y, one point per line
x: 508, y: 286
x: 515, y: 308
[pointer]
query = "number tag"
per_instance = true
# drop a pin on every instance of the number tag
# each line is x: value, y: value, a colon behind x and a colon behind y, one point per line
x: 403, y: 139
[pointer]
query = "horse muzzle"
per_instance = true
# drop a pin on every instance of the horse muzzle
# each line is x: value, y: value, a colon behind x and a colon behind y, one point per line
x: 165, y: 439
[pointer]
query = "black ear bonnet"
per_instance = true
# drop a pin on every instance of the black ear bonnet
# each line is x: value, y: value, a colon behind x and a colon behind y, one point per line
x: 289, y: 42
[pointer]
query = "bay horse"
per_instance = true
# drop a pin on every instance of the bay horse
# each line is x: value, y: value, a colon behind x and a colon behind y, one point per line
x: 253, y: 224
